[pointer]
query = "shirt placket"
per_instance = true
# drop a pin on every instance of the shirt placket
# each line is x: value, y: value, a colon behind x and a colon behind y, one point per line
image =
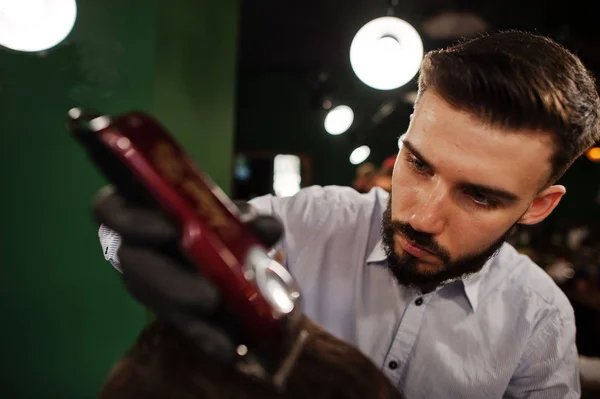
x: 410, y: 324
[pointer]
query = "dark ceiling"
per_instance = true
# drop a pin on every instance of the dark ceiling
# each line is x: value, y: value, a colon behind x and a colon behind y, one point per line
x: 310, y: 39
x: 312, y: 34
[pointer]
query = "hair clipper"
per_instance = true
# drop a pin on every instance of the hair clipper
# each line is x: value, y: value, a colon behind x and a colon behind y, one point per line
x: 141, y: 159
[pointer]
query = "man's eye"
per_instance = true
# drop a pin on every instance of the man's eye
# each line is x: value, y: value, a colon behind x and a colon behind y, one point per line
x: 418, y: 165
x: 481, y: 199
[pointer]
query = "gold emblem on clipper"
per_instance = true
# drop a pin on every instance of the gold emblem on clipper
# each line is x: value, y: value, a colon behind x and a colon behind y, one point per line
x: 176, y: 172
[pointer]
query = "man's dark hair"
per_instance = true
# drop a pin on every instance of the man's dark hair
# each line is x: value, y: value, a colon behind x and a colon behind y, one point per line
x: 163, y: 363
x: 518, y: 80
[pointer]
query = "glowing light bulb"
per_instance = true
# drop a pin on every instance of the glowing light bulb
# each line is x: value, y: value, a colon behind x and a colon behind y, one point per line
x: 360, y: 154
x: 35, y: 25
x: 386, y: 53
x: 339, y: 120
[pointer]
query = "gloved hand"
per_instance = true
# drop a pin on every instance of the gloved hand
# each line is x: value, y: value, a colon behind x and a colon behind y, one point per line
x: 155, y: 272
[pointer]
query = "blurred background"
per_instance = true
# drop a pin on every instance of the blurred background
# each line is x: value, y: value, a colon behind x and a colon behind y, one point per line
x: 267, y: 97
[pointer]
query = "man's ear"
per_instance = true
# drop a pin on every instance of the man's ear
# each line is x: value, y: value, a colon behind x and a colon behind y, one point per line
x: 543, y: 205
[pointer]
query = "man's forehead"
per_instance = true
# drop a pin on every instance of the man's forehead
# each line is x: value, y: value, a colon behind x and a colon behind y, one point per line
x: 457, y: 143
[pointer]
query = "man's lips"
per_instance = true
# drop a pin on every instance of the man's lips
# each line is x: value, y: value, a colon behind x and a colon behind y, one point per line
x: 413, y: 249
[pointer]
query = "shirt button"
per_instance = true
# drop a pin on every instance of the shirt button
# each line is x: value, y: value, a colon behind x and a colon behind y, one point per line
x: 393, y: 365
x: 419, y: 301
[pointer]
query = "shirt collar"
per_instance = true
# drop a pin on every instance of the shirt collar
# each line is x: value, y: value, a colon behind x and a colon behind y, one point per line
x: 377, y: 254
x: 470, y: 283
x: 471, y: 286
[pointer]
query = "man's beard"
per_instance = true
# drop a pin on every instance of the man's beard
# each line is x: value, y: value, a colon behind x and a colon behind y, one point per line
x: 404, y: 267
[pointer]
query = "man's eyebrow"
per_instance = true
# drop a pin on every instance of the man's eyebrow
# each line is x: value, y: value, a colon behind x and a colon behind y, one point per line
x: 410, y: 147
x: 485, y: 189
x: 491, y: 191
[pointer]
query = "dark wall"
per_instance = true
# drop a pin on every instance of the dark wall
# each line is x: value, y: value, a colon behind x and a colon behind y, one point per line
x: 581, y: 204
x: 276, y: 112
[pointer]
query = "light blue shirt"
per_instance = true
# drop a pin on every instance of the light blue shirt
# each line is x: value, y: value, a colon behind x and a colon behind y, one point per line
x: 507, y: 331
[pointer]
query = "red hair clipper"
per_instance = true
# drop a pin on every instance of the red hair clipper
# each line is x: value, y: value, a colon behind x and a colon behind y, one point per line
x: 145, y: 164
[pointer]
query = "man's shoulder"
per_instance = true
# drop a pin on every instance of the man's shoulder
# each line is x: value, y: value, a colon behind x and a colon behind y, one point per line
x: 515, y: 277
x: 341, y: 195
x: 320, y: 201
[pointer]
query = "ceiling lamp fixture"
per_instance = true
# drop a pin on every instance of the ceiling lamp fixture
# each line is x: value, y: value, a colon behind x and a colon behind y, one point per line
x: 339, y: 120
x: 386, y: 53
x: 451, y: 25
x: 35, y: 25
x: 360, y: 154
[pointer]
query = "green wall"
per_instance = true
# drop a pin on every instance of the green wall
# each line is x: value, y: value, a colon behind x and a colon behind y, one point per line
x: 65, y: 315
x: 194, y: 79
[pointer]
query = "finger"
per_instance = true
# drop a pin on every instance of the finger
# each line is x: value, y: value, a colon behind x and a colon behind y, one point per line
x: 267, y: 228
x: 247, y: 211
x: 133, y: 223
x: 157, y: 281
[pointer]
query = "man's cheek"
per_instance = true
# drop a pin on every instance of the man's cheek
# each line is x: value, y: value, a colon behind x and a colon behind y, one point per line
x: 401, y: 199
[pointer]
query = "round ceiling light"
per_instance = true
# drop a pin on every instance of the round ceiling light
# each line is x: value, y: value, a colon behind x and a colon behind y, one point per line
x: 386, y: 53
x: 339, y: 119
x: 35, y: 25
x: 360, y: 155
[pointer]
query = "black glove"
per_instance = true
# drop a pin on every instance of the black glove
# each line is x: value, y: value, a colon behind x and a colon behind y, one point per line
x: 156, y: 273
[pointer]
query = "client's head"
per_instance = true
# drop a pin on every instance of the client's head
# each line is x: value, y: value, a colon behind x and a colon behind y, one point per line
x: 163, y: 363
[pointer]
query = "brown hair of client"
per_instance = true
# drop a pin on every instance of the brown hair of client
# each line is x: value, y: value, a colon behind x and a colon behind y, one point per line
x: 163, y: 363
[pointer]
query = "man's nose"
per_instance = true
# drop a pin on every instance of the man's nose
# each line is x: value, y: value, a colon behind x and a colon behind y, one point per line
x: 428, y: 215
